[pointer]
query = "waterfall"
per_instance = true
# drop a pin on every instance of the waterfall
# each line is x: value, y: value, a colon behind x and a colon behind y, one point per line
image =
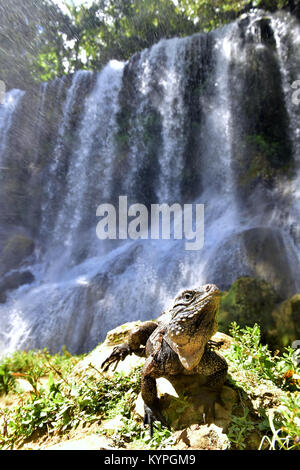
x: 7, y: 109
x: 287, y: 34
x: 205, y: 119
x: 61, y: 147
x: 93, y: 157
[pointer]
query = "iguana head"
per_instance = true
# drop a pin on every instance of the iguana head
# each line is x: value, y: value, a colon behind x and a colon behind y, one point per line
x: 193, y: 322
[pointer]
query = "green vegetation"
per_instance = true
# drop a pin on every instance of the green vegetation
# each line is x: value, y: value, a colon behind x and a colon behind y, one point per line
x: 39, y: 42
x: 209, y: 14
x: 255, y: 371
x: 249, y: 358
x: 65, y: 404
x: 30, y: 30
x: 32, y: 366
x: 134, y: 435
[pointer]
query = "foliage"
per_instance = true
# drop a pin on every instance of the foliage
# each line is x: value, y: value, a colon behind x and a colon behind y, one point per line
x: 210, y: 14
x: 33, y: 365
x: 65, y: 404
x: 251, y: 364
x: 7, y: 381
x: 239, y: 429
x: 138, y: 437
x: 284, y: 426
x: 39, y: 42
x: 249, y: 355
x: 117, y: 29
x: 27, y: 30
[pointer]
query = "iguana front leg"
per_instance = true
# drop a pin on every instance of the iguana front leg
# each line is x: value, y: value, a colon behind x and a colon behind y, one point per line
x: 214, y: 367
x: 149, y: 394
x: 135, y: 344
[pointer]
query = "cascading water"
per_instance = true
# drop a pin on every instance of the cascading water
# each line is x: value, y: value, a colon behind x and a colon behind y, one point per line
x: 93, y: 158
x: 58, y: 153
x: 180, y: 122
x: 288, y: 45
x: 11, y: 101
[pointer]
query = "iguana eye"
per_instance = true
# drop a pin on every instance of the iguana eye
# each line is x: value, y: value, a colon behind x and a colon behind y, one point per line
x: 187, y: 296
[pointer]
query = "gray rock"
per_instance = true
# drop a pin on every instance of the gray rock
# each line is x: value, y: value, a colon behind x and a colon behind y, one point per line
x: 262, y: 252
x: 16, y: 250
x: 13, y: 281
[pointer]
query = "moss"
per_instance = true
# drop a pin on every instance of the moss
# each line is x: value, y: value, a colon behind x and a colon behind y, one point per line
x: 251, y: 301
x: 287, y: 321
x: 247, y: 302
x: 265, y: 160
x: 262, y: 150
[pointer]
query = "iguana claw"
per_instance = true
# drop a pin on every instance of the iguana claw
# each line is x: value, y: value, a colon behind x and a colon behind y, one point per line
x: 152, y: 414
x: 119, y: 353
x: 215, y: 344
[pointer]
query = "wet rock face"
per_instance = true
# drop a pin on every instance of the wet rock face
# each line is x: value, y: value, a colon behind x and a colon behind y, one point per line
x: 13, y: 281
x: 247, y: 302
x: 286, y: 318
x: 262, y: 150
x: 259, y: 252
x: 16, y: 249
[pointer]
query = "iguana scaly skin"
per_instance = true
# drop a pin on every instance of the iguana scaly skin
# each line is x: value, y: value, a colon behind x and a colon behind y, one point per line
x: 178, y: 342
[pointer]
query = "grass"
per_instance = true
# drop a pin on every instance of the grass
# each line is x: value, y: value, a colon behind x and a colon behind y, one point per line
x: 65, y: 403
x: 32, y: 366
x: 252, y: 366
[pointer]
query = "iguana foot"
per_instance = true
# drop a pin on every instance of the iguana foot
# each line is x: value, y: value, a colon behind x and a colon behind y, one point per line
x: 215, y: 344
x: 118, y: 354
x: 152, y: 414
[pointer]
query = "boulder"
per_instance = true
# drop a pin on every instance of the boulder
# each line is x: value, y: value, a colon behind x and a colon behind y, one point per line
x: 202, y: 438
x: 91, y: 364
x: 265, y: 253
x: 182, y: 401
x: 286, y: 318
x: 17, y: 248
x: 13, y: 281
x: 251, y: 301
x: 248, y: 301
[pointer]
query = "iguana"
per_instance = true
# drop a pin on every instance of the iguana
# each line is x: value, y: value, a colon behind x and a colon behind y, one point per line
x: 178, y: 342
